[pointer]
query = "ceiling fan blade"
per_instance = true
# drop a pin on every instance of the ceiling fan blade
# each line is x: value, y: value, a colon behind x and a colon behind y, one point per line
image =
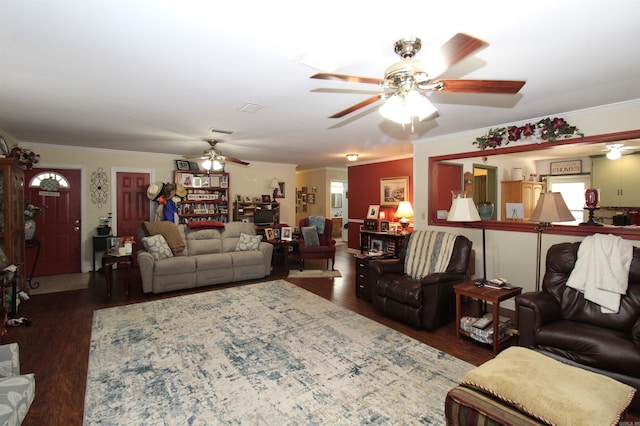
x: 235, y: 160
x: 357, y: 106
x: 453, y: 51
x: 347, y: 78
x: 198, y: 156
x: 480, y: 86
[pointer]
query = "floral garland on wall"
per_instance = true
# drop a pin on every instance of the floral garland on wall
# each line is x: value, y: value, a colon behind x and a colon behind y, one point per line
x: 544, y: 130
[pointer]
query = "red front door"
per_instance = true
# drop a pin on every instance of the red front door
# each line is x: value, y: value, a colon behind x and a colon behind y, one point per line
x: 57, y: 225
x: 132, y: 202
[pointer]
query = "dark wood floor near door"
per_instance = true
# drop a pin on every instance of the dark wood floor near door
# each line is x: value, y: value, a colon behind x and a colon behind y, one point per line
x: 56, y: 346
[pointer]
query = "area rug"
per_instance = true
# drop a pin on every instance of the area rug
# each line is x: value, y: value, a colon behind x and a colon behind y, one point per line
x: 57, y: 283
x: 313, y: 273
x: 266, y: 353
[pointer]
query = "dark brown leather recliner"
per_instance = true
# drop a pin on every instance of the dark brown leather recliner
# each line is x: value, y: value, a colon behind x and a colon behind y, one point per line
x: 426, y: 303
x: 559, y: 322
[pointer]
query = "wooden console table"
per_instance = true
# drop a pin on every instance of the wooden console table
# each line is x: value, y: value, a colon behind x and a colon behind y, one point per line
x: 391, y: 243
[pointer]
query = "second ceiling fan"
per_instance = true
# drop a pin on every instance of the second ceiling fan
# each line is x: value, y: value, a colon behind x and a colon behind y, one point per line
x: 405, y: 83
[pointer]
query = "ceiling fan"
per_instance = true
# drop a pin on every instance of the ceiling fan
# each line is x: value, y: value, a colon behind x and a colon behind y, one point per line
x: 215, y: 158
x: 405, y: 83
x: 615, y: 150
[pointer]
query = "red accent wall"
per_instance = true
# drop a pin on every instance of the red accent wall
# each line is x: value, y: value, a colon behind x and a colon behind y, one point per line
x: 364, y: 190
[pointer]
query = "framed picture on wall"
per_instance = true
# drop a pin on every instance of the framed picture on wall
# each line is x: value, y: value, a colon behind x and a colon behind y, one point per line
x: 182, y: 165
x: 394, y: 190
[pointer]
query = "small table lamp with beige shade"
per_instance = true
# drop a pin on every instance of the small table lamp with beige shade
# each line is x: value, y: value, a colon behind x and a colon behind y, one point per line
x: 404, y: 212
x: 550, y: 208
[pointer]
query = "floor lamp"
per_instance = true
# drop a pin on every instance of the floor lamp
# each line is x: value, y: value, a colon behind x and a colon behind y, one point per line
x: 464, y: 210
x: 550, y: 208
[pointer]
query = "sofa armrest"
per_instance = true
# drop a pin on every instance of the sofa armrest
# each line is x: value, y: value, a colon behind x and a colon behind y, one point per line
x: 145, y: 263
x: 267, y: 254
x: 534, y: 311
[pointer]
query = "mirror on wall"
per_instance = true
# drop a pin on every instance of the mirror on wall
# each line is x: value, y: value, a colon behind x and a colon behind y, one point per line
x: 484, y: 173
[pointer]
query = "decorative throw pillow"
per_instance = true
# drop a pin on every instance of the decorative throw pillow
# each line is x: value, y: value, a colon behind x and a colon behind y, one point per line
x: 248, y: 242
x: 310, y: 236
x: 157, y: 246
x: 169, y: 231
x: 204, y: 224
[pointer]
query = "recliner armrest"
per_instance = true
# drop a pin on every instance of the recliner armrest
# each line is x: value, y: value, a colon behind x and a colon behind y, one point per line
x: 381, y: 267
x: 534, y: 311
x: 442, y: 277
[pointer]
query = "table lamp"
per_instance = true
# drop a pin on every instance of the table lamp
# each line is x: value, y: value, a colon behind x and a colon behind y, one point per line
x: 404, y: 212
x: 550, y: 208
x: 464, y: 210
x: 275, y: 186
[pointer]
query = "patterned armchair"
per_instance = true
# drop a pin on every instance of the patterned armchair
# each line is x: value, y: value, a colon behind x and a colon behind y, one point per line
x: 324, y: 248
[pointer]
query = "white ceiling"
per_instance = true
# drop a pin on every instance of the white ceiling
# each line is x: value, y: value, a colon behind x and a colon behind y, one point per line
x: 157, y: 75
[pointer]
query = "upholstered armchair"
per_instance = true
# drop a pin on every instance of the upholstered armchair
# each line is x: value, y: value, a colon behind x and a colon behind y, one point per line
x: 561, y: 323
x: 417, y: 287
x: 317, y: 245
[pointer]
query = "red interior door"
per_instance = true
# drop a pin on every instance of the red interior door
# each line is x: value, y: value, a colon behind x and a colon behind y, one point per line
x: 132, y: 202
x: 57, y: 226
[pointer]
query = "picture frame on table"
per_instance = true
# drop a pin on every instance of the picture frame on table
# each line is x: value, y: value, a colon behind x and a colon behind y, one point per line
x: 372, y: 211
x: 247, y: 199
x: 276, y: 233
x: 376, y: 245
x: 266, y: 198
x: 394, y: 190
x: 182, y: 165
x: 384, y: 226
x: 286, y: 233
x: 268, y: 234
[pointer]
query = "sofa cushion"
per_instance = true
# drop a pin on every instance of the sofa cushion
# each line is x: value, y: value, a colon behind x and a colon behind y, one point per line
x: 174, y: 266
x: 204, y: 241
x: 169, y: 231
x: 234, y: 229
x: 310, y: 236
x: 205, y: 224
x: 157, y: 246
x: 248, y: 242
x: 213, y: 261
x: 247, y: 258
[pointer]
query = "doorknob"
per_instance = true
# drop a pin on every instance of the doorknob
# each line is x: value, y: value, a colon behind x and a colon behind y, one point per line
x: 76, y: 228
x: 77, y: 222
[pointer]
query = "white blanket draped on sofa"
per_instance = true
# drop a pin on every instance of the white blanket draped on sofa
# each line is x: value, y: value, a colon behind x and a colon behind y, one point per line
x: 602, y: 270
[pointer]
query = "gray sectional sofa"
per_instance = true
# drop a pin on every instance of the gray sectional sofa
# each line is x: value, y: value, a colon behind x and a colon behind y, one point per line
x: 211, y: 256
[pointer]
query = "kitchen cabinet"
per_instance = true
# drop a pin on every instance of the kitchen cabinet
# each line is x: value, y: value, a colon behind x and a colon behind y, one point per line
x: 520, y: 191
x: 617, y: 180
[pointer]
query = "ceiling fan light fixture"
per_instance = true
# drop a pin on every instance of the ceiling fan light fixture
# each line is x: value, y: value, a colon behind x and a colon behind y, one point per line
x: 402, y: 108
x: 352, y: 157
x: 214, y: 164
x: 614, y: 152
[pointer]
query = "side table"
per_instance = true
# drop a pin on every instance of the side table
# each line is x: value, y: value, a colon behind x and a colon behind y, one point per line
x: 108, y: 260
x: 99, y: 244
x: 362, y: 288
x: 486, y: 294
x: 282, y: 247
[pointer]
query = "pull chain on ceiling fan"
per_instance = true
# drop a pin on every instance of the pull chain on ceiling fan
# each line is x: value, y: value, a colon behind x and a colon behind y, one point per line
x: 406, y: 82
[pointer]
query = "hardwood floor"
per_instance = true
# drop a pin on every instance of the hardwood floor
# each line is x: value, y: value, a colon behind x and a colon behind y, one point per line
x: 56, y: 346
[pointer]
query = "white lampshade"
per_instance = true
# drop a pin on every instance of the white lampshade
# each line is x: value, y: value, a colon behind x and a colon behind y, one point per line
x: 551, y: 208
x: 614, y: 153
x: 463, y: 210
x: 274, y: 184
x: 405, y: 211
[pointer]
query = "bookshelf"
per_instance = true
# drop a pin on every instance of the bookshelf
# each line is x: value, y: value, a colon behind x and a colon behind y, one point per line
x: 245, y: 210
x: 207, y: 196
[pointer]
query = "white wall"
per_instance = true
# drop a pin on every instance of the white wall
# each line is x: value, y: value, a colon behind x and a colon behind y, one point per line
x: 246, y: 180
x: 512, y: 255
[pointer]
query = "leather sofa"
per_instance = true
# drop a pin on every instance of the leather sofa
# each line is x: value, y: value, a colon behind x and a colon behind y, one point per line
x: 210, y: 257
x: 423, y: 303
x: 560, y: 323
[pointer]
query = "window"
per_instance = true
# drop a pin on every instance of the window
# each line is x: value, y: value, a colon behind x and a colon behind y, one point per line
x: 37, y: 179
x: 572, y: 189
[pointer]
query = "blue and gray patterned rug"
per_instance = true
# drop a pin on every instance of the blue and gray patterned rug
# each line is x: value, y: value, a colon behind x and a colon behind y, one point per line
x: 266, y: 353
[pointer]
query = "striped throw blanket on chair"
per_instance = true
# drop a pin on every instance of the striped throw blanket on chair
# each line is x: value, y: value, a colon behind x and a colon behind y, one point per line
x: 428, y: 252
